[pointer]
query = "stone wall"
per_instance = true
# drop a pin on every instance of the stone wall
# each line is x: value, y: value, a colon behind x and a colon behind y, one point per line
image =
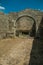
x: 8, y: 22
x: 4, y: 25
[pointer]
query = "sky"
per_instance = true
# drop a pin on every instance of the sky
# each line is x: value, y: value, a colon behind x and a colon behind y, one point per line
x: 7, y: 6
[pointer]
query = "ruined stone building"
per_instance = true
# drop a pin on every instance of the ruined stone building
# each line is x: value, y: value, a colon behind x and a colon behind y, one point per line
x: 24, y: 23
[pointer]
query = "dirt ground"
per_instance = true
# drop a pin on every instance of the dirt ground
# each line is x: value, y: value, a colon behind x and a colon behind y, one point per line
x: 15, y: 51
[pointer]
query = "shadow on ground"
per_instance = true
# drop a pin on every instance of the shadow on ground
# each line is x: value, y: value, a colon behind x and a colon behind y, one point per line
x: 36, y: 55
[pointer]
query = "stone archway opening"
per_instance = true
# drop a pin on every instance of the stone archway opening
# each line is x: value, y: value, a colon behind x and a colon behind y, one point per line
x: 25, y: 26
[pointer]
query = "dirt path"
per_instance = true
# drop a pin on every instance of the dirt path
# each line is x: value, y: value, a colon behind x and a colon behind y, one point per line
x: 15, y: 51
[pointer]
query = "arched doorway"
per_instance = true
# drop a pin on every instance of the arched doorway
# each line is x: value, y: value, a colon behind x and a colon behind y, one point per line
x: 25, y: 25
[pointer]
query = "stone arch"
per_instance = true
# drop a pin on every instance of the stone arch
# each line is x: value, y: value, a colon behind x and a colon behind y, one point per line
x: 34, y: 25
x: 25, y: 16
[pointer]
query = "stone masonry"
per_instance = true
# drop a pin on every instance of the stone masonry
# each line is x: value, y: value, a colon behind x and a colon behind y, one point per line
x: 25, y: 22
